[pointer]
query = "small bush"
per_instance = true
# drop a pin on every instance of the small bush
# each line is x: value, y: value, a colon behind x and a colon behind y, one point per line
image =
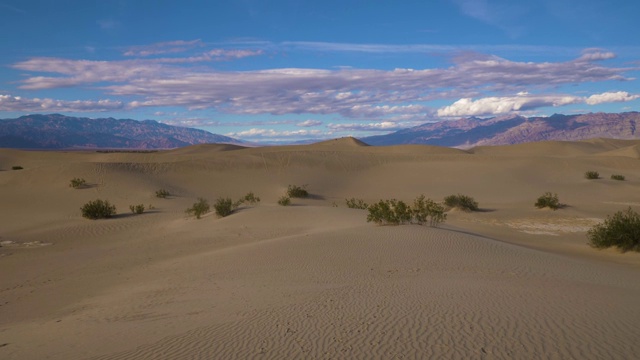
x: 284, y: 201
x: 354, y: 203
x: 137, y: 209
x: 224, y: 207
x: 462, y: 202
x: 621, y: 230
x: 294, y: 191
x: 592, y: 175
x: 17, y: 167
x: 77, y: 183
x: 162, y: 193
x: 249, y: 198
x: 548, y: 200
x: 428, y: 210
x: 617, y: 177
x: 98, y: 209
x: 199, y: 208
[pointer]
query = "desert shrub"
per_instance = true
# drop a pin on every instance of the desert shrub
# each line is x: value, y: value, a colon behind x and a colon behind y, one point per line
x: 17, y: 167
x: 428, y: 210
x: 548, y: 200
x: 137, y: 209
x: 592, y: 175
x: 199, y: 208
x: 621, y: 230
x: 354, y: 203
x: 162, y: 193
x: 224, y: 207
x: 251, y: 198
x: 294, y: 191
x: 462, y: 202
x: 284, y: 201
x: 77, y: 183
x: 617, y: 177
x: 98, y: 209
x: 397, y: 212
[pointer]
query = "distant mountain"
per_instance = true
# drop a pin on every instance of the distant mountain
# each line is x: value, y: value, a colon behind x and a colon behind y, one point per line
x: 57, y: 131
x: 506, y: 130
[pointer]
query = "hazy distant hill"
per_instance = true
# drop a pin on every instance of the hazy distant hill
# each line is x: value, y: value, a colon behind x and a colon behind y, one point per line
x: 515, y: 129
x: 57, y: 131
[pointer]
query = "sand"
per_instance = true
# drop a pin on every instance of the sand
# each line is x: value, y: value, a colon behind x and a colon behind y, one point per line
x: 314, y: 280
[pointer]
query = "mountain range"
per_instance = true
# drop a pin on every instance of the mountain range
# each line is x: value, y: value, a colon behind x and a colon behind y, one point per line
x: 515, y: 129
x: 57, y: 131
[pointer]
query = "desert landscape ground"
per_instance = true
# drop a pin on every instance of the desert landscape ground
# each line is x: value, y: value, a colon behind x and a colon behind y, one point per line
x: 314, y: 280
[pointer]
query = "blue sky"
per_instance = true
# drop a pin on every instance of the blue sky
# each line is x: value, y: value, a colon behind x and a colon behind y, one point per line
x: 290, y: 70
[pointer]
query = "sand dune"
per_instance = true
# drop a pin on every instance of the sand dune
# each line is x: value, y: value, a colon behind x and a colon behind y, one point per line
x: 315, y: 280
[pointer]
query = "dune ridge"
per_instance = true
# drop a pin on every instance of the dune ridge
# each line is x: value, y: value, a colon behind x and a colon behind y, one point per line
x: 315, y: 280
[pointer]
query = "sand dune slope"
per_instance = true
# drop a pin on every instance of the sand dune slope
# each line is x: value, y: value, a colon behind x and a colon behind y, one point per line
x: 315, y: 280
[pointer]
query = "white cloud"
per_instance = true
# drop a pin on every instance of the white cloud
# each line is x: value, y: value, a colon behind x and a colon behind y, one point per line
x: 503, y: 105
x: 380, y: 126
x: 309, y: 123
x: 17, y: 103
x: 524, y: 101
x: 163, y: 48
x: 256, y: 133
x: 607, y: 97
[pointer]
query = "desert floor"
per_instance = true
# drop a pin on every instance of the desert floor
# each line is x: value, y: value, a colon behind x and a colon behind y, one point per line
x: 314, y: 280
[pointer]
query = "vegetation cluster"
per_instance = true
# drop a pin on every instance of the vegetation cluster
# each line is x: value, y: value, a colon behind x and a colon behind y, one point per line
x: 621, y: 230
x: 98, y: 209
x: 397, y: 212
x: 461, y: 202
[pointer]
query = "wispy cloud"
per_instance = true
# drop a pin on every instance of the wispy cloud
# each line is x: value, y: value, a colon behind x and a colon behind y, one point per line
x: 608, y: 97
x: 17, y: 103
x: 257, y: 134
x: 501, y: 14
x: 351, y: 93
x: 12, y: 8
x: 309, y: 123
x: 167, y: 47
x: 379, y: 126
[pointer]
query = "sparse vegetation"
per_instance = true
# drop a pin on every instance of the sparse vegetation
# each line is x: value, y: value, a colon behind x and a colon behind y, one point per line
x: 199, y: 208
x: 17, y: 167
x: 354, y: 203
x: 294, y: 191
x: 617, y: 177
x: 77, y: 183
x: 548, y: 200
x: 284, y: 201
x: 162, y: 193
x: 137, y: 209
x: 250, y: 198
x: 98, y: 209
x: 427, y: 210
x: 397, y: 212
x: 592, y: 175
x: 224, y: 207
x: 461, y: 202
x: 621, y: 230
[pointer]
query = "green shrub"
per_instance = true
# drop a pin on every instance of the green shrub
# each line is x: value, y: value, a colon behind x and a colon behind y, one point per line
x: 98, y: 209
x: 617, y: 177
x: 548, y: 200
x: 428, y: 210
x: 137, y: 209
x: 396, y: 212
x: 17, y: 167
x: 199, y: 208
x: 77, y: 183
x: 354, y: 203
x: 284, y: 201
x: 621, y: 230
x: 162, y: 193
x: 249, y: 198
x: 592, y: 175
x: 462, y: 202
x: 294, y: 191
x: 224, y: 207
